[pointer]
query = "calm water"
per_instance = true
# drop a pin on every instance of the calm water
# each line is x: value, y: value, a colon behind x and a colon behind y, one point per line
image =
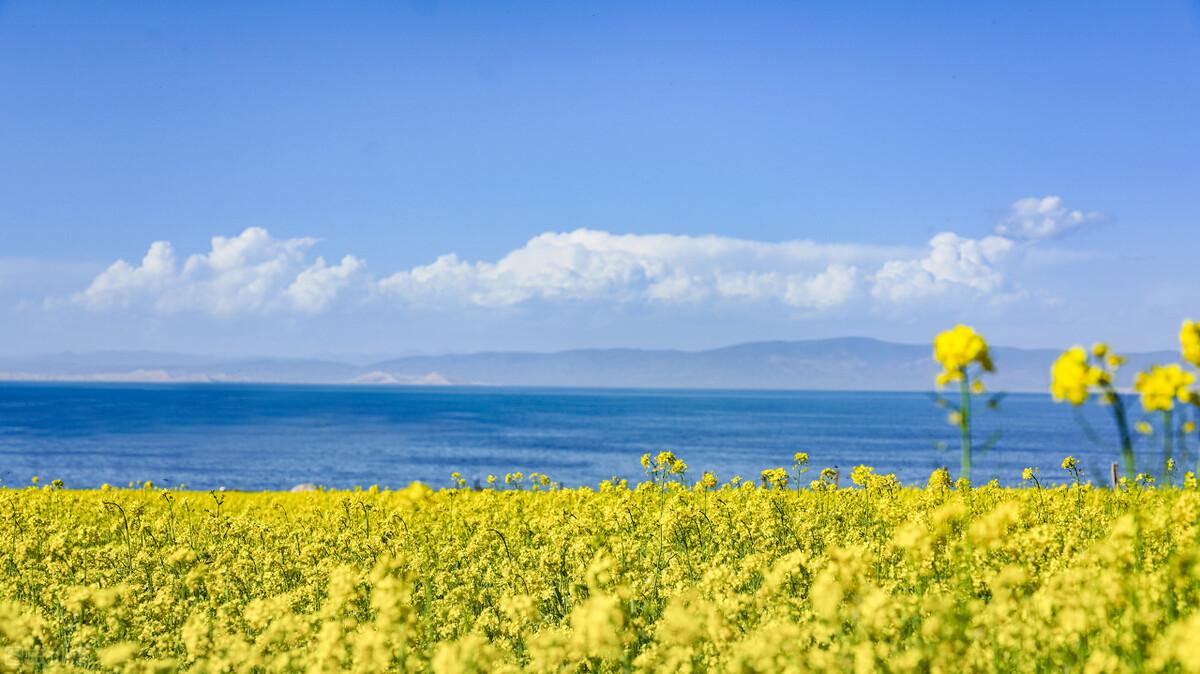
x: 274, y: 437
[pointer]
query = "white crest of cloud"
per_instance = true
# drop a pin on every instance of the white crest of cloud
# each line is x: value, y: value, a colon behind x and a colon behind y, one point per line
x: 1042, y: 218
x: 595, y: 265
x: 253, y: 273
x: 316, y: 287
x: 246, y: 274
x: 952, y: 263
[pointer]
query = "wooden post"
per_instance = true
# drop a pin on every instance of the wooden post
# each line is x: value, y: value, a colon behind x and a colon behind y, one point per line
x: 1115, y: 479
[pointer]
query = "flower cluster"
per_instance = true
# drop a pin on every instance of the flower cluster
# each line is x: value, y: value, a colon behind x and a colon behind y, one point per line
x: 957, y: 349
x: 775, y: 478
x: 1189, y: 340
x: 664, y: 463
x: 1074, y: 375
x: 1161, y: 386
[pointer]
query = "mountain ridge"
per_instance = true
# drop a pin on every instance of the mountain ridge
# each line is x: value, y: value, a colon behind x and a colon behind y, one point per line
x: 839, y: 363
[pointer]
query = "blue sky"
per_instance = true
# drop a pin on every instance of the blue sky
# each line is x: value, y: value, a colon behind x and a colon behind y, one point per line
x: 603, y: 174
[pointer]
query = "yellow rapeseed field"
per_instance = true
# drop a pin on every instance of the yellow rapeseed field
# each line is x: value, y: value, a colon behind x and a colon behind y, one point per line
x: 663, y: 576
x: 680, y: 573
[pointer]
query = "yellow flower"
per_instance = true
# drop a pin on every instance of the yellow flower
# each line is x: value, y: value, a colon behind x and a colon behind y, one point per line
x: 1143, y: 427
x: 1027, y: 474
x: 774, y: 477
x: 957, y: 349
x: 977, y: 387
x: 709, y: 480
x: 1189, y: 427
x: 1189, y: 339
x: 1099, y: 349
x: 1160, y: 387
x: 1070, y: 463
x: 800, y: 459
x: 861, y: 474
x: 1072, y: 376
x: 112, y: 656
x: 664, y: 460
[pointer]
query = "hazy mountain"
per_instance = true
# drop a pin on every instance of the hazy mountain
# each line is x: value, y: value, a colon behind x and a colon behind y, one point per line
x: 830, y: 364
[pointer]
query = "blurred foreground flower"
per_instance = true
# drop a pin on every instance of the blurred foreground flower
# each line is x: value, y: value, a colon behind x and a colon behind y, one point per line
x: 1078, y: 373
x: 957, y: 350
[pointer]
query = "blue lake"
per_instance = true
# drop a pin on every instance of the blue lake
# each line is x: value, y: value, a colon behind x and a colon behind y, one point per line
x: 274, y: 437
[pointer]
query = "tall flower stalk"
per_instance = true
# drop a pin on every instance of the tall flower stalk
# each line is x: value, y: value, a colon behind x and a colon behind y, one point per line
x: 1189, y: 343
x: 1160, y: 387
x: 1077, y: 374
x: 957, y: 350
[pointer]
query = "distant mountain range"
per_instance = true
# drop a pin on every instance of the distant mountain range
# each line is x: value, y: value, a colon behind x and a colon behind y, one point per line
x: 849, y: 363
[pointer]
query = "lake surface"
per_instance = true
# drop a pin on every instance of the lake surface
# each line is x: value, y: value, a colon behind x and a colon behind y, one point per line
x: 274, y: 437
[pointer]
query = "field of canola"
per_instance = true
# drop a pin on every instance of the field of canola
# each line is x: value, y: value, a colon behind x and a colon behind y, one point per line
x: 663, y: 576
x: 671, y: 575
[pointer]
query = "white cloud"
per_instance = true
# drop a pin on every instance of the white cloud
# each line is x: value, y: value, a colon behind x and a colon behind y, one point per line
x: 317, y: 286
x: 1042, y: 218
x: 595, y: 265
x: 952, y: 263
x: 246, y: 274
x: 253, y: 273
x: 831, y: 287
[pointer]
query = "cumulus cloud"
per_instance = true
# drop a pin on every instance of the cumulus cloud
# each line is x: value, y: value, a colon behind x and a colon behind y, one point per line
x: 1042, y: 218
x: 254, y: 273
x: 952, y: 263
x: 245, y: 274
x: 595, y: 265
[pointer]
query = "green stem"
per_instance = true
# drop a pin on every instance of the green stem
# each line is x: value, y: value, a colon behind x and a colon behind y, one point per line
x: 1118, y: 406
x: 964, y: 423
x: 1168, y: 439
x: 662, y: 507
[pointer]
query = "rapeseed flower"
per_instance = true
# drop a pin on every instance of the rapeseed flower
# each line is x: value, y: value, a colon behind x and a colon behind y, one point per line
x: 1189, y: 340
x: 1072, y: 376
x: 776, y: 478
x: 860, y: 474
x: 956, y: 350
x: 1161, y: 386
x: 939, y: 479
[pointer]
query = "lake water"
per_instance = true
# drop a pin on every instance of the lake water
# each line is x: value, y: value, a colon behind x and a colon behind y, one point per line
x: 274, y: 437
